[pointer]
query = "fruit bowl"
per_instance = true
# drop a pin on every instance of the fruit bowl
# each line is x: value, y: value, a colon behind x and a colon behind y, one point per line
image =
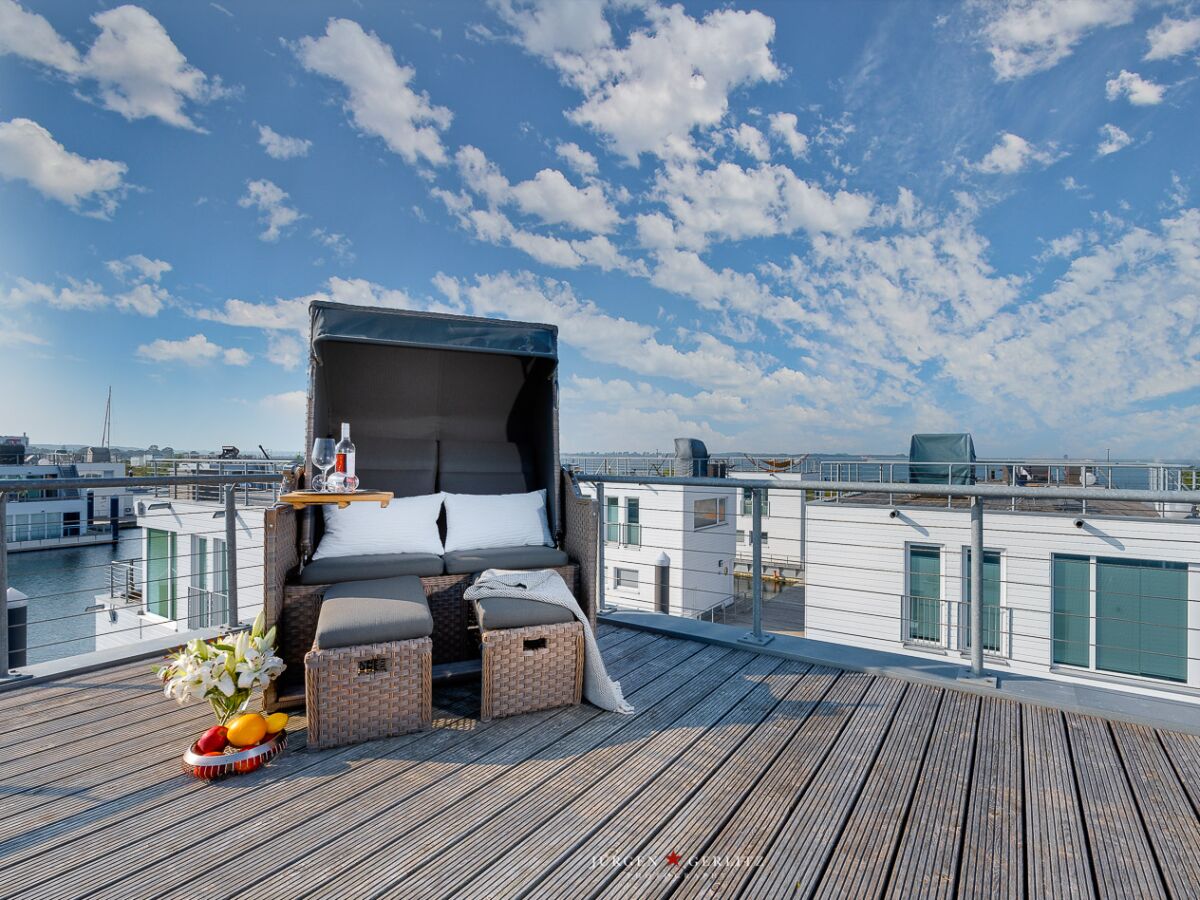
x: 239, y: 762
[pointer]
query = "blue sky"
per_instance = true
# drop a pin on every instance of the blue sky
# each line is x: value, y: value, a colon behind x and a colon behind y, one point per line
x: 774, y: 226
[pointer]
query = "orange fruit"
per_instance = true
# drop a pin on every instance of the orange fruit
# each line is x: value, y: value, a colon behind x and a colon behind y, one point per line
x: 276, y: 722
x: 246, y: 730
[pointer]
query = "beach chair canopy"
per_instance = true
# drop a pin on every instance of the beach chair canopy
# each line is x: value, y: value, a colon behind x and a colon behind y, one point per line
x: 438, y: 402
x: 943, y: 449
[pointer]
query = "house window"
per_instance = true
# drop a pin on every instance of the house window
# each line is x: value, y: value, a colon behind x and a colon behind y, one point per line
x: 633, y: 522
x: 625, y: 578
x: 707, y: 513
x: 741, y: 537
x: 612, y: 519
x: 160, y: 572
x: 924, y: 598
x: 991, y: 601
x: 1140, y: 611
x: 748, y: 501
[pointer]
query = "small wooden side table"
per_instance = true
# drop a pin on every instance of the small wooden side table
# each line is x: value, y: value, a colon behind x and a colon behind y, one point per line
x: 302, y: 499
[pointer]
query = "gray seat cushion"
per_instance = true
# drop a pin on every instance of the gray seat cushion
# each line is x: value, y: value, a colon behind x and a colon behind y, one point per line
x: 518, y: 612
x: 371, y: 612
x: 336, y: 569
x: 470, y: 562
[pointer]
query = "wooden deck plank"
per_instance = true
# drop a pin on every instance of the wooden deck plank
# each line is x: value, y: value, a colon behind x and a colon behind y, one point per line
x: 321, y: 846
x: 1184, y: 752
x: 1171, y: 822
x: 861, y: 861
x: 1122, y: 858
x: 292, y: 784
x: 748, y: 833
x: 795, y: 858
x: 993, y: 850
x: 649, y: 810
x: 690, y: 830
x: 816, y: 785
x: 514, y: 854
x: 1055, y: 838
x: 927, y: 858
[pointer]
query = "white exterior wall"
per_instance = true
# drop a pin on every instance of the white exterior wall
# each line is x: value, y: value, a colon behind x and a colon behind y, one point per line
x: 856, y: 576
x: 782, y: 524
x: 701, y: 562
x: 128, y: 623
x: 101, y: 495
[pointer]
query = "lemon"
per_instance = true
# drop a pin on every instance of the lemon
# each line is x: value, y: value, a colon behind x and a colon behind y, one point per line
x: 275, y: 722
x: 246, y: 730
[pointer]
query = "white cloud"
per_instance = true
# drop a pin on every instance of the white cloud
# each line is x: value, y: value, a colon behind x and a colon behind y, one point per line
x: 578, y: 159
x: 279, y: 146
x: 76, y: 295
x: 193, y: 351
x: 138, y: 70
x: 138, y: 268
x: 29, y: 35
x: 338, y: 243
x: 550, y: 27
x: 12, y: 335
x: 285, y: 350
x: 289, y: 403
x: 1028, y: 36
x: 1138, y: 90
x: 29, y: 153
x: 380, y: 100
x: 672, y: 77
x: 728, y: 202
x: 145, y: 299
x: 1070, y: 184
x: 268, y: 198
x: 1171, y: 37
x: 554, y: 200
x: 785, y: 126
x: 750, y: 139
x: 1112, y: 139
x: 1014, y: 154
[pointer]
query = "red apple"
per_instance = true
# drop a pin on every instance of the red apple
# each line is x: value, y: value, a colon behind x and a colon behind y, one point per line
x: 213, y: 740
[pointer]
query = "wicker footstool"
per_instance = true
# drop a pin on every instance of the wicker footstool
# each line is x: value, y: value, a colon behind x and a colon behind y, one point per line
x: 532, y: 656
x: 368, y: 674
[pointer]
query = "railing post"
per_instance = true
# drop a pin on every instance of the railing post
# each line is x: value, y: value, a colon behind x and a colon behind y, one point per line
x: 976, y: 673
x: 756, y: 636
x: 231, y: 565
x: 3, y: 586
x: 601, y: 604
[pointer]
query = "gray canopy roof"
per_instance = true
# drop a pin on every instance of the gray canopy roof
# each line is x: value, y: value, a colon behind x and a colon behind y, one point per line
x: 375, y: 325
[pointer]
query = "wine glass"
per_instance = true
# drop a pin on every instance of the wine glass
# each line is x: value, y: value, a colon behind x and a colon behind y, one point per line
x: 324, y: 454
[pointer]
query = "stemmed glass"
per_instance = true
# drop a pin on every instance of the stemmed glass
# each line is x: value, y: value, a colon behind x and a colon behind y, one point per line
x: 324, y: 454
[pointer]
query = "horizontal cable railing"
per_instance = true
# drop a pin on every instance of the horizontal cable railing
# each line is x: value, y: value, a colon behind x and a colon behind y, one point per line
x: 1049, y: 591
x: 173, y: 571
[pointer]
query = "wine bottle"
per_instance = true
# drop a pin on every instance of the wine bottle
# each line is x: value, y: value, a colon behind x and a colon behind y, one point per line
x: 344, y: 460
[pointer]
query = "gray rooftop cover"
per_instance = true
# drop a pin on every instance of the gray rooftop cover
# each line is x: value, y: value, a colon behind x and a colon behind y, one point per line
x: 941, y: 448
x: 374, y: 325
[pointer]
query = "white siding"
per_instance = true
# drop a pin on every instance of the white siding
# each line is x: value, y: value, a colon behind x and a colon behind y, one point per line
x: 856, y: 573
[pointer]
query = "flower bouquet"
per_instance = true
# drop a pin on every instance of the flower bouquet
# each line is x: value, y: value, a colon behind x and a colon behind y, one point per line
x: 225, y: 672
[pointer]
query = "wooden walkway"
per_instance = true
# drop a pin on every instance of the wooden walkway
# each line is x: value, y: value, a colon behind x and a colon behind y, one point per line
x: 739, y: 776
x: 782, y: 613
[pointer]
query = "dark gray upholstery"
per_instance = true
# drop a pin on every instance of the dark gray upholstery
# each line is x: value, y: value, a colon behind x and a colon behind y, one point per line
x: 337, y: 569
x: 408, y: 466
x: 372, y: 612
x: 461, y: 562
x: 485, y: 467
x: 518, y: 612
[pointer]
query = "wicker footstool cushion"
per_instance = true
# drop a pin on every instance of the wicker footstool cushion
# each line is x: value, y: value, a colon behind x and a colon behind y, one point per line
x: 529, y: 667
x: 369, y: 673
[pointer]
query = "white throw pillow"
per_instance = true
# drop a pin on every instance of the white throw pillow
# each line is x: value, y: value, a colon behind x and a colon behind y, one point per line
x: 407, y: 525
x: 483, y: 521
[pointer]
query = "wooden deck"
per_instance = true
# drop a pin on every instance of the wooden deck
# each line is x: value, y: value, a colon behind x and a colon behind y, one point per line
x: 739, y: 776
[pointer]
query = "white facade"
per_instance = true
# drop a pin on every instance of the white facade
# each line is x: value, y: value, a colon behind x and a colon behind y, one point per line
x: 782, y: 527
x: 101, y: 497
x: 861, y: 565
x: 693, y: 526
x: 180, y: 582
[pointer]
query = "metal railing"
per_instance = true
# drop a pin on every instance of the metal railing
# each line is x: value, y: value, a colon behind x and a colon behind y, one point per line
x: 968, y: 625
x: 124, y: 582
